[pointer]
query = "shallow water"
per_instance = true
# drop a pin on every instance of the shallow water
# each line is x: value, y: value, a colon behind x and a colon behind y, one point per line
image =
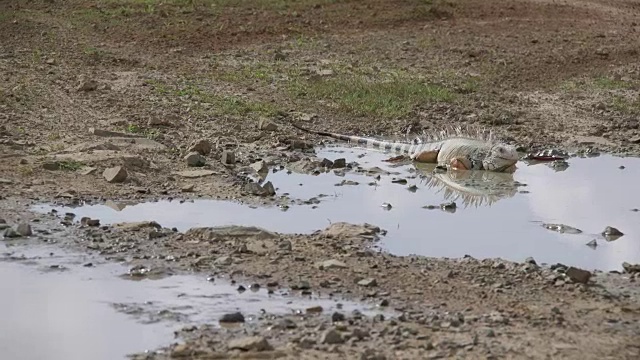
x: 92, y: 313
x: 590, y: 194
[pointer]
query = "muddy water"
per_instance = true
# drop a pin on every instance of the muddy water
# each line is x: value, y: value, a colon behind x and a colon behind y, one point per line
x: 497, y: 215
x: 54, y: 307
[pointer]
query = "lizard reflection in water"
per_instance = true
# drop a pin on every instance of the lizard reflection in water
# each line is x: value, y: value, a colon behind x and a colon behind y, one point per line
x: 471, y: 187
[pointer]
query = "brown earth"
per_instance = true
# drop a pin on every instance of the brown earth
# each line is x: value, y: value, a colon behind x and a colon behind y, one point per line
x: 541, y: 74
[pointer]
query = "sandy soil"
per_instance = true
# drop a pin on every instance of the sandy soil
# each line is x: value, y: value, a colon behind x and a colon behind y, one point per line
x: 94, y: 85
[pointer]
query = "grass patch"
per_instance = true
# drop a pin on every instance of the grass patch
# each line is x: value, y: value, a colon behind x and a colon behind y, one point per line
x: 362, y: 90
x: 611, y: 84
x: 626, y: 105
x: 359, y: 95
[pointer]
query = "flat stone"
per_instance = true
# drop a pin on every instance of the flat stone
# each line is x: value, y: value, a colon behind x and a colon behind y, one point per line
x: 97, y: 156
x: 578, y: 275
x: 188, y: 188
x: 116, y: 174
x: 192, y: 174
x: 136, y: 226
x: 250, y: 343
x: 109, y: 133
x: 343, y: 230
x: 24, y: 229
x: 87, y: 170
x: 195, y: 159
x: 5, y: 181
x: 331, y: 264
x: 369, y: 282
x: 247, y: 233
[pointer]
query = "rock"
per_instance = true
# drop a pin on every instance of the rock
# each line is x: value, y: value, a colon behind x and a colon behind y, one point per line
x: 340, y: 163
x: 89, y: 85
x: 231, y: 232
x: 337, y: 317
x: 250, y: 343
x: 89, y: 222
x: 331, y: 264
x: 10, y: 233
x: 629, y: 268
x: 267, y: 125
x: 194, y: 159
x: 223, y: 260
x: 343, y: 230
x: 331, y: 337
x: 137, y: 226
x: 5, y: 181
x: 24, y: 229
x: 561, y: 228
x: 369, y: 282
x: 592, y: 244
x: 578, y: 275
x: 254, y: 188
x: 117, y: 174
x: 611, y: 233
x: 188, y: 188
x: 314, y: 309
x: 107, y: 133
x: 181, y: 351
x: 228, y: 157
x: 51, y: 166
x: 236, y: 317
x: 87, y: 170
x: 269, y: 188
x: 260, y: 167
x: 530, y: 260
x: 192, y: 174
x: 202, y: 147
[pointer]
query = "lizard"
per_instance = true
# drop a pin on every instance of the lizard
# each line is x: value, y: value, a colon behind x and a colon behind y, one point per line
x: 473, y: 188
x: 450, y: 148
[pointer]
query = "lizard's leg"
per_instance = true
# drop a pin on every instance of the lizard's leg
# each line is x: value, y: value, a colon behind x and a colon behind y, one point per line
x: 428, y: 157
x: 460, y: 164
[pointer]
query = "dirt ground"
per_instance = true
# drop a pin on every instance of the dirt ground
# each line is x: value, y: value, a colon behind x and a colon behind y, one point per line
x: 133, y: 87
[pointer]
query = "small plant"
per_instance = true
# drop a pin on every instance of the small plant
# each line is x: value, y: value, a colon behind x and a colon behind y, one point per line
x: 133, y: 129
x: 70, y: 165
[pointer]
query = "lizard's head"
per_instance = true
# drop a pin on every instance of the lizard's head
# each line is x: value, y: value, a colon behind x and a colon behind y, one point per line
x: 501, y: 158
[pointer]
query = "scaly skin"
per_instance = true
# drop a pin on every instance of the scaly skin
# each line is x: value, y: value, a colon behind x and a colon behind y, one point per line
x: 456, y: 152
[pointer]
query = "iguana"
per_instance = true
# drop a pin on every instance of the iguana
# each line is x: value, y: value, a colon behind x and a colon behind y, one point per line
x: 473, y: 188
x: 451, y: 148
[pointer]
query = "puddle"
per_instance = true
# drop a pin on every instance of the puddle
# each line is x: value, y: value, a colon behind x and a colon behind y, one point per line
x: 589, y: 195
x: 80, y: 312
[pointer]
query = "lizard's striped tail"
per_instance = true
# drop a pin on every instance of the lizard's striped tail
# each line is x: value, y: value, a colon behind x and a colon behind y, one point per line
x: 398, y: 147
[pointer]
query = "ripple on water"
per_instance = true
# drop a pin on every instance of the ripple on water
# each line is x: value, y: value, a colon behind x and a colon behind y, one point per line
x: 507, y: 222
